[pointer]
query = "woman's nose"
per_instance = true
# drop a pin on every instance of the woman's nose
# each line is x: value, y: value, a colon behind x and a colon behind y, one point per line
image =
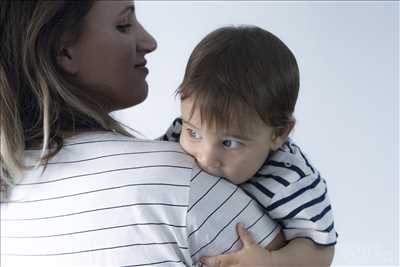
x: 146, y: 42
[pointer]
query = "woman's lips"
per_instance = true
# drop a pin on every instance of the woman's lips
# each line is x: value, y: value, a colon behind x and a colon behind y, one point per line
x: 142, y: 66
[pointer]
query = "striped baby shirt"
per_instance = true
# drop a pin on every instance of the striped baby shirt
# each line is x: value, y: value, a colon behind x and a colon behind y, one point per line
x: 110, y: 200
x: 291, y: 191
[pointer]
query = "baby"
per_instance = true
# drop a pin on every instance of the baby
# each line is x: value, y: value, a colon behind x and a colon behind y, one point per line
x: 238, y: 97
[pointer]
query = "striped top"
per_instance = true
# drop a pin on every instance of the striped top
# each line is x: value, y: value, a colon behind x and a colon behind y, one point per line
x: 291, y: 190
x: 109, y: 200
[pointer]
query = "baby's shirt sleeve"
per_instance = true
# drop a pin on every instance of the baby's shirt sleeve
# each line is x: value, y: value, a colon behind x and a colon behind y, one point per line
x: 294, y: 194
x: 173, y: 133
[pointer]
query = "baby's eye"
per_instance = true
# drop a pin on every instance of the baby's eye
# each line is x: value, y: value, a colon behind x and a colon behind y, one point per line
x: 193, y: 134
x: 229, y: 143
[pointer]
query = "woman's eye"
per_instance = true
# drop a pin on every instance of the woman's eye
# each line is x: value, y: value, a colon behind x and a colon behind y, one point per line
x: 231, y: 143
x: 124, y: 28
x: 193, y: 134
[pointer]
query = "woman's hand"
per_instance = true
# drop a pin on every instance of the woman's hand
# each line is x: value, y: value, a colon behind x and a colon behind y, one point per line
x: 251, y: 254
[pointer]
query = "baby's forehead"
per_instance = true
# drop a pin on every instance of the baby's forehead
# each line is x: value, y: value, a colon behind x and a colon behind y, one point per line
x: 238, y: 119
x: 244, y: 129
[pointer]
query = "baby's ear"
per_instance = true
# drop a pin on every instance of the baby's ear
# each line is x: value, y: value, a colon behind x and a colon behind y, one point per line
x: 281, y: 135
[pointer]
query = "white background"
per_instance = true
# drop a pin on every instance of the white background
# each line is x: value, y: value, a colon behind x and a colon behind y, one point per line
x: 348, y: 108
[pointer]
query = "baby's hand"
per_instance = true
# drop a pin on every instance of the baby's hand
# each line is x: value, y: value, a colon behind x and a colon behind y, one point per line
x: 251, y: 254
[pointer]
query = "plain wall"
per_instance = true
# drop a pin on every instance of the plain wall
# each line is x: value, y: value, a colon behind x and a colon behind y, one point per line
x: 348, y: 108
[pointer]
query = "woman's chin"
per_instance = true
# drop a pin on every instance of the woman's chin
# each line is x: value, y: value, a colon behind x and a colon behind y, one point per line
x: 140, y: 97
x: 134, y: 99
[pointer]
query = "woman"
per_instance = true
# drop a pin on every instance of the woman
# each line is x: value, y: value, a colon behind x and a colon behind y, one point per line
x: 79, y: 190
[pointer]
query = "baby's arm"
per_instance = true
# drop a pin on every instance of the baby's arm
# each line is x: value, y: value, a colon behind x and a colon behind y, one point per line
x: 295, y: 195
x: 300, y: 203
x: 303, y: 252
x: 299, y: 252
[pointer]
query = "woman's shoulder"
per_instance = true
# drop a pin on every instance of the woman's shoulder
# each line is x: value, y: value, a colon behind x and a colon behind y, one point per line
x: 116, y: 149
x: 116, y: 141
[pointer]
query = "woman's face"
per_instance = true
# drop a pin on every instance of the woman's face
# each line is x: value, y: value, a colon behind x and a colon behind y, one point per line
x: 109, y: 57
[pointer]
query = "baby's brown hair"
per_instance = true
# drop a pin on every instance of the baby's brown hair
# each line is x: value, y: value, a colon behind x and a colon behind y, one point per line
x: 235, y: 73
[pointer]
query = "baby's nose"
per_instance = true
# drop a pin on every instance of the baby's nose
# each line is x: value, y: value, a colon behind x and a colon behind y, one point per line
x: 210, y: 161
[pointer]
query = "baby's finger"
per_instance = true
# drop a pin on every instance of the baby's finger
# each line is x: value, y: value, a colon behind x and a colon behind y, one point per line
x: 219, y: 261
x: 211, y: 261
x: 245, y: 236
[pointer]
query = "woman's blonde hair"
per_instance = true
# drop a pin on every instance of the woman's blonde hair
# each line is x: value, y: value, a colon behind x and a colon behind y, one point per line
x: 38, y: 103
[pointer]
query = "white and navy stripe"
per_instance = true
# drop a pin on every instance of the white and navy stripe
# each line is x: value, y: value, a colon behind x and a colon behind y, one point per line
x: 108, y: 200
x: 291, y: 191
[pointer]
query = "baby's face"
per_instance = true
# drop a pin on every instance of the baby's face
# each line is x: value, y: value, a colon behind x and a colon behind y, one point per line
x: 225, y: 152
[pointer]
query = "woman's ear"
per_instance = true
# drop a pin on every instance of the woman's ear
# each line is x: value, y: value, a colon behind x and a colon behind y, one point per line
x: 280, y: 135
x: 67, y: 60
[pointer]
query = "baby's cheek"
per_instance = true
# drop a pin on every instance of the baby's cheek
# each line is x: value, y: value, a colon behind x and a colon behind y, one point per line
x: 238, y: 174
x: 248, y: 171
x: 184, y: 144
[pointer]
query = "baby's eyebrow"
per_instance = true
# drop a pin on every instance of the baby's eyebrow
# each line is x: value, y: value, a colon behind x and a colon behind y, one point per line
x: 236, y: 134
x: 191, y: 125
x: 239, y: 136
